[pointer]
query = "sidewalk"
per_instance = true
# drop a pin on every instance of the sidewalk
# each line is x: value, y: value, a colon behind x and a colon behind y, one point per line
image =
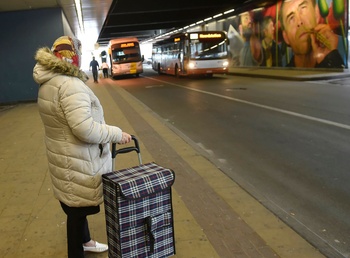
x: 290, y: 74
x: 214, y: 217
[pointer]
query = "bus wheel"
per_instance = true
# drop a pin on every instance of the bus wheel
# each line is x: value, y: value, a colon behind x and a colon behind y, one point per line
x: 137, y: 75
x: 159, y: 72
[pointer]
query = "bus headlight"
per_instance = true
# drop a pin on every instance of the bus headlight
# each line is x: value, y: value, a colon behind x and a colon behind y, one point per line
x: 191, y: 65
x: 225, y: 64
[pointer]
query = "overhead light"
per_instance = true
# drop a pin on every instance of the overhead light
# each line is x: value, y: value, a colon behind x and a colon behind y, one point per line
x: 78, y: 9
x: 258, y: 9
x: 218, y: 15
x: 198, y: 22
x: 208, y: 19
x: 229, y: 11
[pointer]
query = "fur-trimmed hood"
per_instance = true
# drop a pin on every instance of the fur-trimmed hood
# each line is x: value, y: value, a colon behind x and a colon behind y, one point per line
x: 49, y: 66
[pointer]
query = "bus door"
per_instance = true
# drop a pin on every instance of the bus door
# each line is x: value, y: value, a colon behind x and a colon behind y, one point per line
x: 180, y: 55
x: 186, y: 55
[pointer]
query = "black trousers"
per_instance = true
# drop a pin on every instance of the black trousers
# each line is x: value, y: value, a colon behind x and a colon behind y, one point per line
x: 95, y: 75
x: 105, y: 72
x: 77, y: 228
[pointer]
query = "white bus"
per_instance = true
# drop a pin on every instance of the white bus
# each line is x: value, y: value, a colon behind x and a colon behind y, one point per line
x: 125, y: 57
x: 192, y: 53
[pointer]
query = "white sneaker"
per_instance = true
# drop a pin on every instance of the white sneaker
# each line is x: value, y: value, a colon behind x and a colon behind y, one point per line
x: 98, y: 248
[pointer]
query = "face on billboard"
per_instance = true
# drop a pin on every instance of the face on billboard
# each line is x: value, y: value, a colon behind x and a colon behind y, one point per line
x: 302, y: 33
x: 246, y: 25
x: 299, y: 18
x: 269, y: 30
x: 246, y: 20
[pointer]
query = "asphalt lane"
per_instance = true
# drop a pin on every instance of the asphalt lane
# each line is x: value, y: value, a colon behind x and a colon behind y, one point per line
x: 286, y: 143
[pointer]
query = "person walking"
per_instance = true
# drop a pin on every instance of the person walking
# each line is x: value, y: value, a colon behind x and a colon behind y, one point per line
x: 94, y: 66
x: 105, y: 68
x: 76, y: 137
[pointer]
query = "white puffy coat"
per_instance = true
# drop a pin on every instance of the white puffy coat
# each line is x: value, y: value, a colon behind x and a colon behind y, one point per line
x: 76, y: 136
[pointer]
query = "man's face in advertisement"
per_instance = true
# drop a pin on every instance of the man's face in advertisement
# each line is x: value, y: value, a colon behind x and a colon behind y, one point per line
x: 246, y: 25
x: 299, y: 18
x: 246, y: 20
x: 269, y: 30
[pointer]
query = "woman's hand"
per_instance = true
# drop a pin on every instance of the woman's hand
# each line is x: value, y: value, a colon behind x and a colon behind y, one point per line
x: 126, y: 138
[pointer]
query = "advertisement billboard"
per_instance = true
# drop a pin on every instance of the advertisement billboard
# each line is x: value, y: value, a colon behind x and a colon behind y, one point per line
x: 291, y: 33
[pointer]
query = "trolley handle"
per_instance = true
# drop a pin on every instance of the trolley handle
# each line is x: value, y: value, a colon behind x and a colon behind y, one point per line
x: 136, y: 148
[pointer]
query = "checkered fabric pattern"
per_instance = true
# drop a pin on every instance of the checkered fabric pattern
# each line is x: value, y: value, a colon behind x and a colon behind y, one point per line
x: 139, y: 214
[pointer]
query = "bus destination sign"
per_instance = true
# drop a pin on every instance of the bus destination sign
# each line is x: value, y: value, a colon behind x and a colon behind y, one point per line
x: 210, y: 35
x: 129, y: 44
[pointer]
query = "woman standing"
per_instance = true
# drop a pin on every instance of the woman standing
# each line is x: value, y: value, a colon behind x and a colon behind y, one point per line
x: 77, y: 139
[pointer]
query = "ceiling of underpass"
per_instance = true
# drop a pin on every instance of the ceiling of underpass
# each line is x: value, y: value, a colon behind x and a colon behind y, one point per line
x: 149, y: 18
x: 106, y: 19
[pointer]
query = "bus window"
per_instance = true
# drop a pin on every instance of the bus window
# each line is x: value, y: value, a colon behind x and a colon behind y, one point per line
x: 210, y: 49
x: 118, y: 56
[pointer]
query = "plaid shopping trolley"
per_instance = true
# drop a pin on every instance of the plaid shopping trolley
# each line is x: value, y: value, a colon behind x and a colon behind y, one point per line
x: 138, y: 209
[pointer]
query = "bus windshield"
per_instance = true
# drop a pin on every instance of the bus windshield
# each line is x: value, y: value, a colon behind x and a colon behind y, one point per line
x: 126, y: 54
x: 208, y: 49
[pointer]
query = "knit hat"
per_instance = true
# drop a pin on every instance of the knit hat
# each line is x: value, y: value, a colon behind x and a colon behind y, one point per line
x: 68, y: 49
